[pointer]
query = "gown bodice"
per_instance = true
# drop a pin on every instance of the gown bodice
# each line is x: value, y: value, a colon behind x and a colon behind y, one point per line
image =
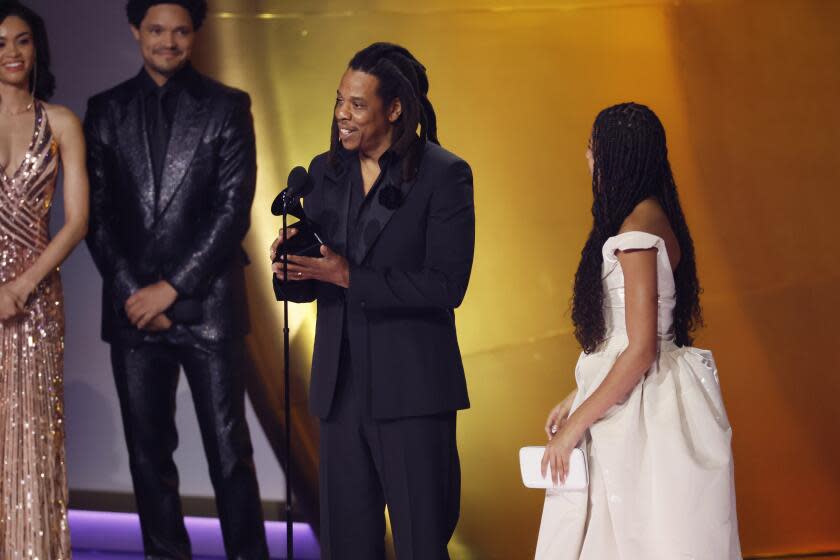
x: 613, y: 281
x: 26, y: 199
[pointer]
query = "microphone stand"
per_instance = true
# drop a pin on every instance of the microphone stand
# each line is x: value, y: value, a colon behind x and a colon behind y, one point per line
x: 287, y: 404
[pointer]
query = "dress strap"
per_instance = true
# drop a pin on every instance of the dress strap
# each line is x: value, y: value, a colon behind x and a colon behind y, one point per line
x: 640, y: 240
x: 630, y: 240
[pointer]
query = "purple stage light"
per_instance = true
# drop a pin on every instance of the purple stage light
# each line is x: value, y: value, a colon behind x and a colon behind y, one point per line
x: 119, y: 534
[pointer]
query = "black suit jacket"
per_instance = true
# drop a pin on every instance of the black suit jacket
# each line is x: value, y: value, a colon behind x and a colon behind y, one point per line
x: 416, y: 254
x: 191, y: 235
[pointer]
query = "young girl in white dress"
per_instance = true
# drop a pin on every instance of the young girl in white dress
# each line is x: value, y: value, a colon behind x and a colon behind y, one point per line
x: 647, y: 409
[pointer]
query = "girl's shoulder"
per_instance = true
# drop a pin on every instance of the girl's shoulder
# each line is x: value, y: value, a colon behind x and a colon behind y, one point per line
x: 63, y: 121
x: 650, y: 217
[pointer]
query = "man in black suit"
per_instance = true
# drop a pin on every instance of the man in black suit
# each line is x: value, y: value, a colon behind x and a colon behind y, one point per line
x: 173, y: 169
x: 387, y: 377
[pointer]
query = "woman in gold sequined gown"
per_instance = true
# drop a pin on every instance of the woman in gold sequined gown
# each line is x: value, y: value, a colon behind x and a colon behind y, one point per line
x: 36, y: 139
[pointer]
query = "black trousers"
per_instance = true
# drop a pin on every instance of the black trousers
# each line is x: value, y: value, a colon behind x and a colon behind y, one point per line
x: 147, y: 378
x: 410, y: 464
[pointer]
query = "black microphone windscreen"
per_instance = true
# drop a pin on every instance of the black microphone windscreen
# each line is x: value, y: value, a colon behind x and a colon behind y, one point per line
x: 298, y: 178
x: 299, y: 184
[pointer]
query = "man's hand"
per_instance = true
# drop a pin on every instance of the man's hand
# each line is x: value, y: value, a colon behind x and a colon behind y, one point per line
x: 290, y: 232
x: 147, y: 303
x: 332, y: 268
x: 159, y: 323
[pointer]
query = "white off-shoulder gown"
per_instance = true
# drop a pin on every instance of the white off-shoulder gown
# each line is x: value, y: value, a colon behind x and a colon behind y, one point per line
x: 660, y: 462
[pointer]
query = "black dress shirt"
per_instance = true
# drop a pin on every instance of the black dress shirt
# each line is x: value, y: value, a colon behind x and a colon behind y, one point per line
x: 358, y: 207
x: 161, y: 103
x: 359, y: 201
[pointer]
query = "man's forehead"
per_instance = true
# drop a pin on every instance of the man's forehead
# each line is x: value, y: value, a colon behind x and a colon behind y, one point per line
x: 357, y: 83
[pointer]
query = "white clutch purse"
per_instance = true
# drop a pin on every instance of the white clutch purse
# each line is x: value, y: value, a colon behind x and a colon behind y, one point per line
x: 530, y: 459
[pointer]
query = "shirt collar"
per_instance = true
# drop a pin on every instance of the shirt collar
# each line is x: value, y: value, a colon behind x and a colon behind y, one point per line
x: 175, y: 84
x: 388, y: 158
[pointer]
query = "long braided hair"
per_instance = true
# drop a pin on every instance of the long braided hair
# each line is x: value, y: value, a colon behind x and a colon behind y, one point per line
x: 401, y: 76
x: 631, y: 165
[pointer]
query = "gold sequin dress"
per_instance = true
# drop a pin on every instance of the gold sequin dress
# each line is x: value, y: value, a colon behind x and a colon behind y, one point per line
x: 33, y: 481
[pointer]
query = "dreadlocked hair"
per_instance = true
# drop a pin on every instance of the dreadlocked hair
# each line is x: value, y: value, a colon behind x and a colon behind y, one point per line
x: 401, y: 76
x: 631, y: 165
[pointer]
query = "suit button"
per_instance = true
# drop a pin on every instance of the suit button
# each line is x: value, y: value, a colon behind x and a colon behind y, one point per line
x: 362, y: 304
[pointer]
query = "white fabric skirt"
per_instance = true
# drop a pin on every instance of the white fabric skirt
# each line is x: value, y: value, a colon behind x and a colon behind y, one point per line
x: 661, y: 470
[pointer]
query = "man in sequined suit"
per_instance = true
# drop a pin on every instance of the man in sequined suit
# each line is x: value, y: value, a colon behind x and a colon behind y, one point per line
x: 173, y: 168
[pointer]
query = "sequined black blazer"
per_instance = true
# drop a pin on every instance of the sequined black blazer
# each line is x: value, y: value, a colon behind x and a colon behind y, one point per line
x: 190, y: 234
x: 415, y: 249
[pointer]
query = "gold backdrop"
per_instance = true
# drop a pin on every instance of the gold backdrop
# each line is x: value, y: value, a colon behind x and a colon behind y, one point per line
x: 750, y: 96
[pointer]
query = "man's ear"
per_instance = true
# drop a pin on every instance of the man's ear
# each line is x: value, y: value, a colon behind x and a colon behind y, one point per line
x: 135, y: 32
x: 395, y: 110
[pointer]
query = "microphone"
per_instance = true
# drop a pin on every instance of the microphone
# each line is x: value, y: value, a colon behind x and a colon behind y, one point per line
x: 299, y: 184
x: 308, y: 240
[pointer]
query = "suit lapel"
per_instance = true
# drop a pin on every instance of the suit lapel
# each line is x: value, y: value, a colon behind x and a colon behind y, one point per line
x: 376, y: 217
x: 190, y: 121
x: 336, y: 208
x: 133, y: 141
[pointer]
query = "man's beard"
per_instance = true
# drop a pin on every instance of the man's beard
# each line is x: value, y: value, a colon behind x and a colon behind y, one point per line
x: 169, y: 70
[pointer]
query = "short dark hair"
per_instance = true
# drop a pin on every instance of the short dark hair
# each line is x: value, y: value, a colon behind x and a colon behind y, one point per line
x: 44, y: 78
x: 136, y: 10
x: 401, y: 76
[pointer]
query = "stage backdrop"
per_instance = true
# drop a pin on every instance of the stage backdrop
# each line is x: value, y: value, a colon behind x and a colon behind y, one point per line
x: 748, y: 94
